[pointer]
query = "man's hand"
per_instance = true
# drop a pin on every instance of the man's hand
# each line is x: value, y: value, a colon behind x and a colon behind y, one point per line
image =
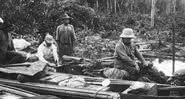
x: 51, y: 64
x: 57, y: 63
x: 145, y: 64
x: 137, y: 67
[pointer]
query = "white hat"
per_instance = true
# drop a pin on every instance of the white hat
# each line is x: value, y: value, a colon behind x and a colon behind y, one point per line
x: 48, y: 38
x: 127, y: 33
x: 1, y: 20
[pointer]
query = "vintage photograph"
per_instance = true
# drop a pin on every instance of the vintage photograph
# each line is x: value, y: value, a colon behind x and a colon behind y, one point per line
x: 92, y: 49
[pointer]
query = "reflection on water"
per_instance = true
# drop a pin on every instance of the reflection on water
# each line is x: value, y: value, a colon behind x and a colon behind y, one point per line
x: 166, y: 65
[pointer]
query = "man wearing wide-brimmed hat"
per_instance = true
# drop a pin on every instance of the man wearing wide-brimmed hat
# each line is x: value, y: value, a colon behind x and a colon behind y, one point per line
x: 47, y: 51
x: 65, y: 37
x: 126, y: 52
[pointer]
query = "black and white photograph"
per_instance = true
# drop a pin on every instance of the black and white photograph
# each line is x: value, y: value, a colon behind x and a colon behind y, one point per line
x: 92, y: 49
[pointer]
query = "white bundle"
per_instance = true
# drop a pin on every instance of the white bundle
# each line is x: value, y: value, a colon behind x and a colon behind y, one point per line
x: 20, y: 44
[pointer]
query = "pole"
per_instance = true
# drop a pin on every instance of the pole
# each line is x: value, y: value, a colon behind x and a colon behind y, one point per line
x: 153, y: 13
x: 174, y: 26
x: 173, y: 57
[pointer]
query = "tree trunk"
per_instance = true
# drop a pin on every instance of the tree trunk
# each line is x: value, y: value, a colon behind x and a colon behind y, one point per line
x: 97, y: 4
x: 168, y: 7
x: 119, y: 8
x: 107, y: 5
x: 174, y: 6
x: 132, y: 6
x: 115, y: 6
x: 153, y: 13
x: 110, y: 5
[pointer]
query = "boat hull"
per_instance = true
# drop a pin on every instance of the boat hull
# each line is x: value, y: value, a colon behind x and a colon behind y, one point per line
x: 76, y: 93
x: 128, y: 96
x: 9, y: 92
x: 46, y: 89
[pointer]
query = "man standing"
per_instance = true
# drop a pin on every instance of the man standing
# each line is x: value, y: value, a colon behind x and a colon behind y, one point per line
x: 125, y: 54
x: 7, y: 51
x: 65, y: 37
x: 47, y: 51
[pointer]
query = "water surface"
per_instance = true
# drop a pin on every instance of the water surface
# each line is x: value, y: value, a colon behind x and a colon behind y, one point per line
x: 166, y: 65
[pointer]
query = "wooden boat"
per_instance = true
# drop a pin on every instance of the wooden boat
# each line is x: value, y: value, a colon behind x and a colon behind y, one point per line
x: 8, y: 92
x: 50, y: 87
x: 93, y: 88
x: 128, y: 96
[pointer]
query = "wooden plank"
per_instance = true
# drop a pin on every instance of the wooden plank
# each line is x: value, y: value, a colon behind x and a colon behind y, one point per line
x: 59, y: 78
x: 55, y: 78
x: 98, y: 80
x: 97, y: 88
x: 49, y: 77
x: 173, y: 88
x: 62, y: 91
x: 33, y: 69
x: 17, y: 91
x: 131, y: 96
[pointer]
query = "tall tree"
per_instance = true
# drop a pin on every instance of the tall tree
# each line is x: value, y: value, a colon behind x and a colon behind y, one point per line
x: 153, y: 13
x: 174, y: 6
x: 97, y: 4
x: 107, y: 5
x: 115, y: 6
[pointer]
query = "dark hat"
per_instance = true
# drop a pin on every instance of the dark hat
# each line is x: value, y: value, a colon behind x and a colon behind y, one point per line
x: 66, y: 16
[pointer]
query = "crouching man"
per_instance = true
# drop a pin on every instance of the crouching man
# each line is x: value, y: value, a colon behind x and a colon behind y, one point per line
x: 47, y: 51
x: 126, y: 54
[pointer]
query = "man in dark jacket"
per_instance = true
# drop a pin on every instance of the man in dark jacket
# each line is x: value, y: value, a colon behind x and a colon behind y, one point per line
x: 7, y: 51
x: 126, y: 54
x: 65, y: 37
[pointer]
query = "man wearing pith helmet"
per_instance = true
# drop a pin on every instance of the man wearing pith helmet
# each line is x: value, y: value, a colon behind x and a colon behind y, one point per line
x: 125, y: 54
x: 47, y: 51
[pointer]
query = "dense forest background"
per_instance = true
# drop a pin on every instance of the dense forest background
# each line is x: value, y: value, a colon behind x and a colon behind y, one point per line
x: 151, y: 19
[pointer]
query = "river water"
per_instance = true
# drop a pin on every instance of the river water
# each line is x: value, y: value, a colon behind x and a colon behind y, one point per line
x: 166, y: 65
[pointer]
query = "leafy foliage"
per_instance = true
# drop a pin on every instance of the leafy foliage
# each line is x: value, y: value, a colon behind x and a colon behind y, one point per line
x: 30, y: 17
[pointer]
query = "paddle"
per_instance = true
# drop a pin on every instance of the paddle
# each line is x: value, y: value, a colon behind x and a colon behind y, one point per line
x: 60, y: 65
x: 16, y: 65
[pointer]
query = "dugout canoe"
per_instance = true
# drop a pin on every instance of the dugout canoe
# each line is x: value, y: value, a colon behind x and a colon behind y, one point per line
x: 9, y: 92
x: 50, y: 85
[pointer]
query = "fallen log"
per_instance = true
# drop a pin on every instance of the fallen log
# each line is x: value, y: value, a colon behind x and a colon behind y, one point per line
x: 76, y: 59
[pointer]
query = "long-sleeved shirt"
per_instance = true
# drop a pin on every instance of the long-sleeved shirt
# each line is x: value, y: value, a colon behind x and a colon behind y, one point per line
x: 125, y: 55
x: 6, y: 41
x: 6, y: 45
x: 47, y: 54
x: 65, y: 34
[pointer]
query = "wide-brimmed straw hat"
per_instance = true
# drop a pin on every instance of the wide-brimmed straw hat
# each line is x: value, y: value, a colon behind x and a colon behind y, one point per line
x: 49, y: 39
x: 127, y: 33
x: 1, y: 20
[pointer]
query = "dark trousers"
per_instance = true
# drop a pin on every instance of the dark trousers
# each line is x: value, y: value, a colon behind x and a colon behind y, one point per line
x: 12, y: 57
x: 65, y: 49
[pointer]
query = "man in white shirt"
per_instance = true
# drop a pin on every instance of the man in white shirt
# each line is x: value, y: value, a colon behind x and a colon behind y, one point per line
x: 47, y: 51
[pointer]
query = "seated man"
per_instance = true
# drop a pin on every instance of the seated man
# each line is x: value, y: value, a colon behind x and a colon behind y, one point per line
x: 47, y: 51
x: 126, y: 53
x: 7, y: 51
